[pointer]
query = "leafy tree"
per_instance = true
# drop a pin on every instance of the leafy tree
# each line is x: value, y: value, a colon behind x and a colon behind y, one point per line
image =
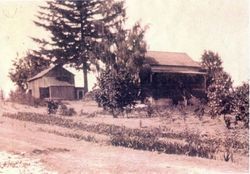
x: 213, y: 64
x: 241, y: 103
x: 219, y: 84
x: 77, y: 28
x: 220, y: 94
x: 119, y: 83
x: 118, y: 90
x: 26, y: 67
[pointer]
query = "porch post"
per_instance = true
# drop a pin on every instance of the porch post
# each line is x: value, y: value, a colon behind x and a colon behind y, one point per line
x: 204, y: 82
x: 151, y: 77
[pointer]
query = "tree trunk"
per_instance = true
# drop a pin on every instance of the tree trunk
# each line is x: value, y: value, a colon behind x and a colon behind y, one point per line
x: 84, y: 59
x: 85, y: 76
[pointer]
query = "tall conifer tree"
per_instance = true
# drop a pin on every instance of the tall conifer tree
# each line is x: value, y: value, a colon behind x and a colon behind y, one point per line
x: 77, y: 29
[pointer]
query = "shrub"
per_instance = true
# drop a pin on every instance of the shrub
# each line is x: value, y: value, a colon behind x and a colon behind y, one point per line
x: 21, y: 97
x: 65, y: 111
x: 220, y: 95
x: 241, y: 103
x: 89, y: 96
x: 118, y: 90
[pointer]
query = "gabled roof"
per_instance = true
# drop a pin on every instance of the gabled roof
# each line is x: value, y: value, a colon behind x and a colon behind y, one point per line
x: 169, y: 58
x: 44, y: 72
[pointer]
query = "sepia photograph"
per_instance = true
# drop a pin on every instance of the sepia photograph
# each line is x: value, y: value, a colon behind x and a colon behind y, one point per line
x: 124, y: 86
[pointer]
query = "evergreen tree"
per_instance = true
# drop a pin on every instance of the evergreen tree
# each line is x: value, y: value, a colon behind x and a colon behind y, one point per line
x: 77, y: 28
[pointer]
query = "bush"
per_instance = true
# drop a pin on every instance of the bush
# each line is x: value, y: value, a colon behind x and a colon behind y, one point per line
x: 21, y: 97
x: 65, y: 111
x: 89, y: 96
x: 220, y: 95
x: 117, y: 91
x: 241, y: 103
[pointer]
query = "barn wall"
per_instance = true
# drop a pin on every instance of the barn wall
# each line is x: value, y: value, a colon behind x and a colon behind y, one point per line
x: 61, y: 74
x: 62, y: 92
x: 35, y: 85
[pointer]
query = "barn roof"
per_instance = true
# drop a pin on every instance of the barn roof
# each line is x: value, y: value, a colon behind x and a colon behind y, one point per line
x: 170, y: 58
x: 44, y: 72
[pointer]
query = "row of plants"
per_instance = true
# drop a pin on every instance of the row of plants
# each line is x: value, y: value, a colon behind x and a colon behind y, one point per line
x: 101, y: 128
x: 154, y: 144
x: 149, y: 139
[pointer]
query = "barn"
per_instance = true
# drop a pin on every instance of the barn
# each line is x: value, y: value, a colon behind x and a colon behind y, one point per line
x: 165, y: 73
x: 54, y: 83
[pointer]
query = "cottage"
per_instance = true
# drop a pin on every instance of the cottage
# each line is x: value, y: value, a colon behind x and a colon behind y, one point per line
x: 54, y: 83
x: 165, y: 71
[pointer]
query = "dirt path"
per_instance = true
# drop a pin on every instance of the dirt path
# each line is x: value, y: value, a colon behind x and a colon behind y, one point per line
x: 68, y: 155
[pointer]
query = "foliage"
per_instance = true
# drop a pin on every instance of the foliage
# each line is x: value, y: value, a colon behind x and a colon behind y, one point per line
x: 1, y: 94
x: 65, y: 111
x: 26, y: 67
x: 77, y: 28
x: 152, y: 139
x: 131, y: 51
x: 118, y: 90
x: 118, y: 84
x: 241, y: 103
x: 219, y: 85
x: 220, y: 94
x: 19, y: 96
x: 153, y: 144
x: 213, y: 64
x: 126, y: 47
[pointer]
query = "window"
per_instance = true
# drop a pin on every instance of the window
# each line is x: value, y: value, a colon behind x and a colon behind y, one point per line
x: 44, y: 93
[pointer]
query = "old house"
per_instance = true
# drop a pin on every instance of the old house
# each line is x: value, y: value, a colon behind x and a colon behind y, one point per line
x: 167, y: 74
x: 55, y: 83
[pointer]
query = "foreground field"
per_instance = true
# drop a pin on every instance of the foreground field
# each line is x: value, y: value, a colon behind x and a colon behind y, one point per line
x: 66, y: 147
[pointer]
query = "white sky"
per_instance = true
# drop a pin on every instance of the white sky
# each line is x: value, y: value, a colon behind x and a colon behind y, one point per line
x: 190, y: 26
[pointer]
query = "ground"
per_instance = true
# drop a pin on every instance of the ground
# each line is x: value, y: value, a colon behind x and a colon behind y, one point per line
x: 29, y: 147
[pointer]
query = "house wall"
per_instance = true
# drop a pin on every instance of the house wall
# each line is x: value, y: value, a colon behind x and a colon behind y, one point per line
x: 157, y: 86
x: 62, y: 92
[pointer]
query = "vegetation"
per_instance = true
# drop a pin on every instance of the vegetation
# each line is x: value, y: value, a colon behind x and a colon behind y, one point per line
x: 219, y: 84
x: 222, y: 97
x: 26, y: 67
x: 77, y: 30
x: 151, y: 139
x: 241, y: 103
x: 219, y: 95
x: 119, y: 80
x: 65, y: 111
x: 118, y: 90
x: 19, y: 96
x: 213, y: 64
